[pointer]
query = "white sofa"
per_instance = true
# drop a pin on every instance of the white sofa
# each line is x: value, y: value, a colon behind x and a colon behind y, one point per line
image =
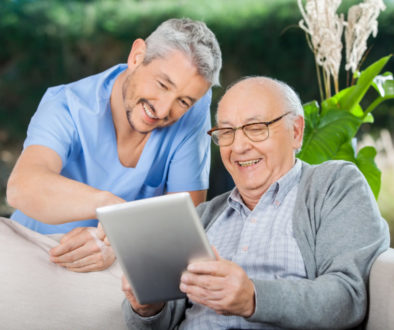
x: 381, y: 292
x: 36, y: 294
x: 30, y: 287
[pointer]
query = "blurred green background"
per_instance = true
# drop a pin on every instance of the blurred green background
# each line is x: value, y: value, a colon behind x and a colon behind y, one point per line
x: 50, y: 42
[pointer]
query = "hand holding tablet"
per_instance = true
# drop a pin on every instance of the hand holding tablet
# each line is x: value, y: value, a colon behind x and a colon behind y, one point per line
x: 154, y: 240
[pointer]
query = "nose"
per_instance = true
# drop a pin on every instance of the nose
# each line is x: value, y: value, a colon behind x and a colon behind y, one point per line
x: 163, y: 107
x: 241, y: 143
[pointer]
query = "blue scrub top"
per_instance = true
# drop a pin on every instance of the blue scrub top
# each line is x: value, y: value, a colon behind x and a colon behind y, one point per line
x: 75, y: 120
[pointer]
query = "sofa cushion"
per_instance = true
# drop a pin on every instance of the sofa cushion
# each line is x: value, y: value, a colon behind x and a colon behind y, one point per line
x: 381, y: 293
x: 38, y: 294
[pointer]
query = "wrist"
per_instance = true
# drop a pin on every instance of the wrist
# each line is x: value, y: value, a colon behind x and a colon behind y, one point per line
x: 107, y: 198
x: 251, y: 305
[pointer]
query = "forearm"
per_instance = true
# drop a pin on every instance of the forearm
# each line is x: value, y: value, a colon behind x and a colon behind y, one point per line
x: 54, y: 199
x: 329, y: 302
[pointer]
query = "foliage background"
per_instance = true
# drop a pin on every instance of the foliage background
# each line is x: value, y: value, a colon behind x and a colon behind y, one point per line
x: 50, y: 42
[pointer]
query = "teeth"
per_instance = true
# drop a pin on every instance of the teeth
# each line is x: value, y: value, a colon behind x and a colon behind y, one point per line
x: 148, y: 112
x: 249, y: 162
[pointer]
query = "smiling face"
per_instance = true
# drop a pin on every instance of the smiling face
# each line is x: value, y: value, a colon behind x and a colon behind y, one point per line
x: 159, y: 93
x: 254, y: 166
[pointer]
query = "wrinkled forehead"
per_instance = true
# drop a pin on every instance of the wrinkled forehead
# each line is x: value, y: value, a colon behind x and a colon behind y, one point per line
x: 250, y: 100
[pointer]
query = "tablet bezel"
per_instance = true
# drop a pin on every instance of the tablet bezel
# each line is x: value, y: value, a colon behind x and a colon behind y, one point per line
x: 143, y: 233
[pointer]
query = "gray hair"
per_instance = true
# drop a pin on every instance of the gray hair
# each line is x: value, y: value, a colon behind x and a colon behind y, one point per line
x: 194, y: 39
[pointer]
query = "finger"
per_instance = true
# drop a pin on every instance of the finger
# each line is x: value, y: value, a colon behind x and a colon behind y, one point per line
x: 85, y: 269
x: 207, y: 282
x: 208, y: 267
x: 97, y: 262
x: 86, y: 261
x: 215, y: 304
x: 77, y: 250
x: 100, y: 232
x: 210, y: 301
x: 218, y: 257
x: 72, y: 233
x: 125, y: 284
x: 126, y: 288
x: 202, y: 293
x: 72, y: 243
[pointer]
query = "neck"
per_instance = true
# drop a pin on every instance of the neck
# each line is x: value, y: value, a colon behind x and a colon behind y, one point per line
x: 252, y: 196
x: 250, y: 201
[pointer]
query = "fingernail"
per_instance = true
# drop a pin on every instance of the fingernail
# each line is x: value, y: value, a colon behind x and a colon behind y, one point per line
x: 183, y: 287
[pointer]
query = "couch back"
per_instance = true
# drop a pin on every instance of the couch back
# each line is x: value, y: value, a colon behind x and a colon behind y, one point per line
x: 381, y: 293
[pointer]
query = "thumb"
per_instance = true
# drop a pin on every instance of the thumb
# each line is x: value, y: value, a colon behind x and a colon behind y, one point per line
x: 106, y: 241
x: 100, y: 232
x: 218, y: 257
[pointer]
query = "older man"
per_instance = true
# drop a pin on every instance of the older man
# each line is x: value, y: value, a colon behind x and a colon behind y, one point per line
x: 136, y: 130
x: 294, y: 242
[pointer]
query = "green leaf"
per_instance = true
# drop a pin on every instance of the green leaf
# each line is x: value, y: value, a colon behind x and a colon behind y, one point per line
x: 368, y: 118
x: 324, y: 135
x: 366, y: 163
x: 311, y: 111
x: 334, y: 102
x: 346, y: 152
x: 384, y: 85
x: 357, y: 92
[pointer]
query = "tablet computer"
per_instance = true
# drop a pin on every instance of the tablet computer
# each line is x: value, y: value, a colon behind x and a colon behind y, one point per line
x: 154, y: 240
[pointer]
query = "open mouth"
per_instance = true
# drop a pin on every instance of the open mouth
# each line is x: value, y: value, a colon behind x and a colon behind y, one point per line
x: 248, y: 162
x: 148, y: 111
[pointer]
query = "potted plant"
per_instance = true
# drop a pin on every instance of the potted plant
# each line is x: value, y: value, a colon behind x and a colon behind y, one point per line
x: 330, y: 127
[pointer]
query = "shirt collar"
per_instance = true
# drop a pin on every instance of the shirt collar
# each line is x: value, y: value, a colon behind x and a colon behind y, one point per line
x: 277, y: 191
x: 287, y: 182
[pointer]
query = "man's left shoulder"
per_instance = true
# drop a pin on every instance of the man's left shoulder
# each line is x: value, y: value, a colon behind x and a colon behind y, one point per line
x: 201, y: 108
x: 335, y: 167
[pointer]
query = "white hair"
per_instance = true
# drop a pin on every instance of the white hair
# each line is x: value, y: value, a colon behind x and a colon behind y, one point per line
x: 292, y: 101
x: 194, y: 39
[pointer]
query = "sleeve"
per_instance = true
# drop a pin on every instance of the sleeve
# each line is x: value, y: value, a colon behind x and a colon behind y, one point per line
x: 189, y: 167
x: 52, y: 125
x: 349, y: 234
x: 168, y: 318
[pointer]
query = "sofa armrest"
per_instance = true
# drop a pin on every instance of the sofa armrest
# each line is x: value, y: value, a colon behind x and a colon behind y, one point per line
x: 381, y: 293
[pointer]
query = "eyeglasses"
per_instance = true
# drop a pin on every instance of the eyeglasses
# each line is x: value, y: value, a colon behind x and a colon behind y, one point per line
x: 255, y: 132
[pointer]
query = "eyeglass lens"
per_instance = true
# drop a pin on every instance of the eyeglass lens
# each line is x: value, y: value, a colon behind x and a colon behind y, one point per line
x: 255, y: 132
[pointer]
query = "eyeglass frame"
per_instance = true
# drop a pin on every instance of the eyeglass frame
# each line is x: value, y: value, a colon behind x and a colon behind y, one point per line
x: 234, y: 129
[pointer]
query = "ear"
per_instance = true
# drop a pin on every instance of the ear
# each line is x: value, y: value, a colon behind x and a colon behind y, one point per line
x: 298, y: 131
x: 137, y: 54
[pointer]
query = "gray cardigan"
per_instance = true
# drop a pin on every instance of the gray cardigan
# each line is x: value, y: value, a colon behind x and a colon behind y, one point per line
x: 340, y: 232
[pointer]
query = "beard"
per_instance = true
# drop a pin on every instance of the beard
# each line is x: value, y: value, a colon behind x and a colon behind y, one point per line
x: 129, y: 109
x: 128, y: 93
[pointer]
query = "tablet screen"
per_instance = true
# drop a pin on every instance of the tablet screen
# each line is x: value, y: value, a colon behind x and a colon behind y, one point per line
x: 154, y: 240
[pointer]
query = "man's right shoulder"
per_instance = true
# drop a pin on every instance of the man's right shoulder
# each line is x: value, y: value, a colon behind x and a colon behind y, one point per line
x: 211, y: 209
x: 87, y: 85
